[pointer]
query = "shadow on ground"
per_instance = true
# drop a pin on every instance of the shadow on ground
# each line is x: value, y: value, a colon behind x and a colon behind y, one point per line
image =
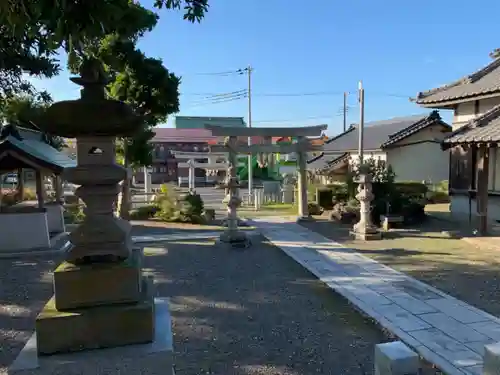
x: 256, y: 311
x: 25, y: 287
x: 450, y: 264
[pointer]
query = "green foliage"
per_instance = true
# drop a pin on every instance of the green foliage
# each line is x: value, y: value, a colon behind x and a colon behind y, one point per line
x: 168, y: 204
x: 144, y: 213
x: 314, y: 208
x: 23, y: 110
x: 171, y: 207
x: 33, y: 31
x: 193, y: 205
x: 325, y: 198
x: 74, y: 214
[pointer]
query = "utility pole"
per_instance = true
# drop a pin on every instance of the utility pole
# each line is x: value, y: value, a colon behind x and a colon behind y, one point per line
x: 361, y: 99
x: 345, y: 111
x: 250, y: 169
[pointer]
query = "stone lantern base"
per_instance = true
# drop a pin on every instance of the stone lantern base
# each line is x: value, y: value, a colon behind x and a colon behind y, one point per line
x: 155, y: 358
x: 366, y: 236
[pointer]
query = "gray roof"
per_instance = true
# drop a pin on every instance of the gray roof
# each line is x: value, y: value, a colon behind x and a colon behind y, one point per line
x: 484, y: 81
x: 30, y: 142
x: 320, y: 162
x: 482, y: 129
x: 377, y: 135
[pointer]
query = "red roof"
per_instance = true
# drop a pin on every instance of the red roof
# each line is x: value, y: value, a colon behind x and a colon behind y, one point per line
x: 174, y: 135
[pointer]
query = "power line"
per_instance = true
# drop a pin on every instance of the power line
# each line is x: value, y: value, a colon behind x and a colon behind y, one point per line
x: 319, y: 93
x: 295, y: 119
x: 218, y: 100
x: 223, y: 74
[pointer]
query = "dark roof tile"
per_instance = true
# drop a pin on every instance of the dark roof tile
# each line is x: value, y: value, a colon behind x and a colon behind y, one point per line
x: 482, y: 129
x: 484, y: 81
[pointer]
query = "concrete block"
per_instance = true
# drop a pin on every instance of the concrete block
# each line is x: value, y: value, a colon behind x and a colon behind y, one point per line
x: 77, y: 286
x: 155, y: 358
x: 491, y: 359
x: 395, y: 358
x: 96, y: 327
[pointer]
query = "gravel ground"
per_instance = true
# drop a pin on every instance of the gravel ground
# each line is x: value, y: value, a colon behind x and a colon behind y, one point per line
x: 257, y: 312
x: 428, y: 254
x: 234, y: 312
x: 25, y: 286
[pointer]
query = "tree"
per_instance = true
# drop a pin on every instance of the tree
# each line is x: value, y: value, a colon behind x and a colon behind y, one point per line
x: 23, y: 110
x: 33, y: 31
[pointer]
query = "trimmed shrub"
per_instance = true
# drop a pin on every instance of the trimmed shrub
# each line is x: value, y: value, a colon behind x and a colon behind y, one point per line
x: 144, y: 212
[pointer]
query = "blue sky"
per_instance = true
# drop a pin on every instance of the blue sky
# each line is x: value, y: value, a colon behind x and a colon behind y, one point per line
x: 318, y: 46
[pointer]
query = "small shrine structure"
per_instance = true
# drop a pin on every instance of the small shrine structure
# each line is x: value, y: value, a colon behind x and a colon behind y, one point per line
x: 28, y: 225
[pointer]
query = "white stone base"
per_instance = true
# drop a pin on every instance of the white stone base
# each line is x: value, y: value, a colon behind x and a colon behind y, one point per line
x: 363, y: 236
x: 24, y: 231
x: 55, y: 218
x: 491, y: 359
x: 395, y: 358
x: 155, y: 358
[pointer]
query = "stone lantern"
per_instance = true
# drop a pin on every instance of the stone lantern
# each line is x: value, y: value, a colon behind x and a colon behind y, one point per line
x: 365, y: 229
x: 101, y: 298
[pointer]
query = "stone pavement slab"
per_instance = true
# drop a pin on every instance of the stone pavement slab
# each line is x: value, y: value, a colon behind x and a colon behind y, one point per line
x: 444, y: 330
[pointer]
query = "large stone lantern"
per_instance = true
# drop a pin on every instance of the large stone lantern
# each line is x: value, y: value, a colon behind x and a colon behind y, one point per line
x: 101, y: 298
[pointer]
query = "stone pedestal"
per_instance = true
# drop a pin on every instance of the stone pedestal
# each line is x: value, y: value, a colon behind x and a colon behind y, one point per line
x: 364, y: 229
x: 154, y: 358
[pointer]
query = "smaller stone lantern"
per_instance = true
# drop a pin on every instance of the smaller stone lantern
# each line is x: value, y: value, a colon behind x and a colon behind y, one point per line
x: 364, y: 229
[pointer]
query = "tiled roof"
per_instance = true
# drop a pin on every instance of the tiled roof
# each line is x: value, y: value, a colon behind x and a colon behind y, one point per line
x: 484, y: 81
x: 482, y: 129
x: 376, y: 134
x: 29, y: 142
x: 322, y: 162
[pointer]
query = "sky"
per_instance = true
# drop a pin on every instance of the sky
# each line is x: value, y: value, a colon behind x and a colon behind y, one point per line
x: 305, y: 54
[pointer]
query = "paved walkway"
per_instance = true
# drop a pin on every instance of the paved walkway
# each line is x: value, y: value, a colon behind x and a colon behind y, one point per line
x: 444, y: 330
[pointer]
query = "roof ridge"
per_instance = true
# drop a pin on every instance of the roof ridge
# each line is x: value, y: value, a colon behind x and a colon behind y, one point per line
x: 348, y: 130
x: 470, y: 78
x: 433, y: 115
x: 485, y: 117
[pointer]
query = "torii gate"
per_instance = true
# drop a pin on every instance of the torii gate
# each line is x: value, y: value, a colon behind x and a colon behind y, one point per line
x: 301, y: 148
x: 192, y: 165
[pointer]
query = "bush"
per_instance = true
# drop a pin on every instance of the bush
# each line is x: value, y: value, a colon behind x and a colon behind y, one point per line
x: 74, y: 214
x: 325, y: 198
x: 144, y: 212
x: 438, y: 197
x: 193, y: 205
x: 314, y: 209
x: 169, y: 206
x: 411, y: 188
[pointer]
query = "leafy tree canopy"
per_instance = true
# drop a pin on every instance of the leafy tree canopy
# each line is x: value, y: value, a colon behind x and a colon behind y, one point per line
x: 33, y: 31
x: 23, y: 109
